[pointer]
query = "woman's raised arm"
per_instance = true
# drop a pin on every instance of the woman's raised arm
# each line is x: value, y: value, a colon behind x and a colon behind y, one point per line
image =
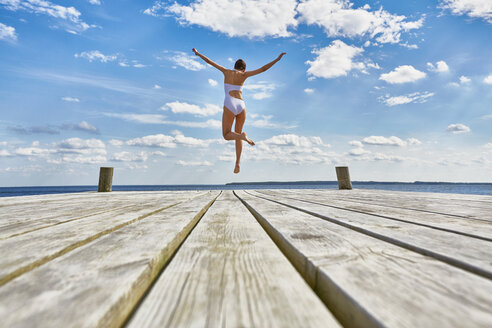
x: 208, y: 61
x: 264, y: 68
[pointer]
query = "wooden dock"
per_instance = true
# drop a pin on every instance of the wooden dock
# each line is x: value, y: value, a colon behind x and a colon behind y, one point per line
x: 249, y: 258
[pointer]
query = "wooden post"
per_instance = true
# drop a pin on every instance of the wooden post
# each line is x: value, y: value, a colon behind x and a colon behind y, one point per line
x: 343, y: 177
x: 105, y: 179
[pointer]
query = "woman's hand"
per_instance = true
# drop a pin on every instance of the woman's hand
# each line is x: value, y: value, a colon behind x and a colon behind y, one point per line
x: 281, y: 55
x: 195, y: 51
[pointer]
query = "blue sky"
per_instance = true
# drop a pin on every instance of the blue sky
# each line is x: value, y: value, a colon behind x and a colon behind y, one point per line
x: 396, y: 90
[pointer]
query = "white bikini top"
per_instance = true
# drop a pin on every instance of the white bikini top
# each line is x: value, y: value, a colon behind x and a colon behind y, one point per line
x: 232, y: 87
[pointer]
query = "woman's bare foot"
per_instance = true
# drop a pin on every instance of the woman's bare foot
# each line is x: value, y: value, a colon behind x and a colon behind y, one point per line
x: 237, y: 168
x: 248, y: 140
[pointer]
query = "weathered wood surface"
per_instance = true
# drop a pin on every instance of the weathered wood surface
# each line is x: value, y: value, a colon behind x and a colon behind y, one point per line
x: 474, y: 228
x: 374, y: 258
x: 30, y: 216
x: 450, y: 204
x: 367, y: 282
x: 25, y: 252
x: 99, y: 283
x: 229, y: 273
x: 461, y: 251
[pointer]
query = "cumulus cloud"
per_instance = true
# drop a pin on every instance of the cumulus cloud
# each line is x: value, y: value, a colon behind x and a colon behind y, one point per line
x: 156, y: 86
x: 439, y: 67
x: 294, y: 140
x: 339, y: 18
x: 212, y: 82
x: 402, y: 74
x: 464, y: 80
x: 96, y: 55
x: 5, y: 153
x: 309, y: 90
x: 95, y: 2
x: 246, y: 18
x: 182, y: 107
x: 7, y: 33
x: 116, y: 143
x: 416, y: 97
x: 472, y: 8
x: 356, y: 143
x: 488, y: 79
x: 71, y: 99
x: 81, y: 146
x: 68, y: 16
x: 194, y: 163
x: 458, y: 128
x: 384, y: 141
x: 358, y: 152
x: 334, y: 60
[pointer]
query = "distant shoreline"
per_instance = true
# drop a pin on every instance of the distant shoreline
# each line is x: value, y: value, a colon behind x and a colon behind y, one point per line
x: 354, y: 182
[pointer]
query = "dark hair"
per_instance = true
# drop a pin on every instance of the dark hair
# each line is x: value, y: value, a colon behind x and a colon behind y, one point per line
x: 240, y: 65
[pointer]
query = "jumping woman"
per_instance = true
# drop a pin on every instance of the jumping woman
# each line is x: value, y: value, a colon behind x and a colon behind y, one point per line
x: 234, y: 107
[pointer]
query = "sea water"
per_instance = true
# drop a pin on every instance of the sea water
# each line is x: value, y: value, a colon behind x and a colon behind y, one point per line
x: 440, y: 187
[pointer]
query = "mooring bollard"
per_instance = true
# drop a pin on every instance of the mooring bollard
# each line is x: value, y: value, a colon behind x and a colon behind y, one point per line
x: 105, y: 179
x: 343, y: 177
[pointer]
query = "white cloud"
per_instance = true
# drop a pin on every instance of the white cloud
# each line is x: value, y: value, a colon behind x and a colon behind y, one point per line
x: 190, y: 141
x: 402, y: 74
x: 414, y: 141
x: 472, y: 8
x: 488, y: 145
x: 246, y: 18
x: 464, y: 80
x: 70, y: 17
x: 440, y: 67
x: 80, y: 159
x: 340, y: 19
x: 358, y: 152
x: 182, y: 107
x: 486, y: 117
x: 356, y: 143
x: 81, y: 146
x: 34, y: 151
x: 96, y: 55
x: 125, y: 156
x: 194, y: 163
x: 157, y: 140
x: 488, y: 79
x: 156, y: 86
x: 334, y: 60
x: 384, y: 141
x: 390, y: 158
x: 4, y: 153
x: 139, y: 65
x: 95, y: 2
x: 458, y: 128
x: 309, y: 90
x: 416, y: 97
x: 71, y: 99
x: 85, y: 126
x: 212, y: 82
x: 186, y: 61
x: 261, y: 90
x: 7, y: 33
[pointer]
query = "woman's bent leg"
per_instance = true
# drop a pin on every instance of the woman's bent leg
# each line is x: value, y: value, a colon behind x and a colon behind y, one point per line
x: 238, y: 128
x: 227, y: 119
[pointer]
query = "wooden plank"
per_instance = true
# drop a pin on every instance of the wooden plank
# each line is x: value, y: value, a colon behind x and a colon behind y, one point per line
x: 473, y: 228
x: 461, y: 251
x: 29, y: 217
x: 454, y: 205
x: 98, y: 284
x: 367, y: 282
x: 25, y: 252
x: 228, y: 273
